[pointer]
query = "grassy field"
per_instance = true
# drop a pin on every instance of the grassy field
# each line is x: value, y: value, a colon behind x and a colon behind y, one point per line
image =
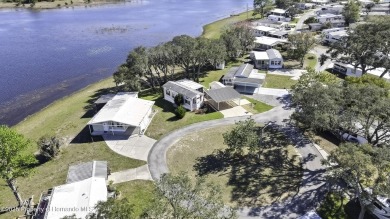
x: 310, y: 61
x: 66, y: 118
x: 244, y: 180
x: 138, y: 192
x: 216, y: 75
x: 278, y: 81
x: 258, y: 107
x: 214, y: 30
x: 165, y: 120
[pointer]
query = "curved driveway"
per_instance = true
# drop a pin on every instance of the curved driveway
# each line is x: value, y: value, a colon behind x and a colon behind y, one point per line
x: 305, y: 199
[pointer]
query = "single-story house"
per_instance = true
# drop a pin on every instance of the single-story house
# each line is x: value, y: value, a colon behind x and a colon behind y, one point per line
x: 280, y: 34
x: 192, y: 92
x: 278, y: 14
x: 334, y: 36
x: 259, y: 31
x: 320, y: 2
x: 269, y: 23
x: 270, y: 59
x: 242, y: 78
x: 124, y: 114
x: 350, y: 70
x: 264, y: 43
x: 85, y: 187
x: 305, y: 6
x: 331, y: 9
x: 324, y: 18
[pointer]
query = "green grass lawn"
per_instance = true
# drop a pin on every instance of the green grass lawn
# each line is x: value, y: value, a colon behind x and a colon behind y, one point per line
x: 216, y: 75
x: 310, y: 61
x: 138, y: 192
x: 258, y: 107
x: 278, y: 81
x: 214, y: 30
x: 245, y: 180
x: 165, y: 120
x: 66, y: 118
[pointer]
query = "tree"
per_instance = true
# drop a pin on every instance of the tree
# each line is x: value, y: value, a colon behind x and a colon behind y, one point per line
x: 361, y: 169
x: 351, y: 12
x: 323, y: 59
x: 238, y: 39
x: 243, y: 135
x: 180, y: 112
x: 366, y: 46
x: 218, y: 53
x: 49, y: 147
x: 333, y: 106
x: 113, y: 209
x: 261, y: 6
x: 284, y: 4
x: 130, y: 79
x: 184, y: 48
x: 179, y: 99
x: 176, y: 196
x: 202, y: 55
x: 300, y: 43
x: 14, y: 162
x: 310, y: 20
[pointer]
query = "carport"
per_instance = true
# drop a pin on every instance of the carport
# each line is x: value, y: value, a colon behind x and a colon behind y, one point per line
x: 247, y: 85
x: 224, y: 96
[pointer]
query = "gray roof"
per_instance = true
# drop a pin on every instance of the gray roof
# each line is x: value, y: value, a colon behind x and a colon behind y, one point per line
x: 230, y: 74
x: 266, y: 21
x: 223, y: 94
x: 254, y: 81
x: 273, y: 54
x: 181, y: 89
x: 244, y: 70
x: 104, y: 98
x: 279, y: 33
x: 87, y: 170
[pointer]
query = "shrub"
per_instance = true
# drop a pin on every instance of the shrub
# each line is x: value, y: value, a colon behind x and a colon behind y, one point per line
x: 310, y: 20
x: 49, y: 147
x: 66, y: 3
x: 180, y: 112
x: 58, y: 5
x: 179, y: 99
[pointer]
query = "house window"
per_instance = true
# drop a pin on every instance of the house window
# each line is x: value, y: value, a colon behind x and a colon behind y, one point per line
x: 194, y: 101
x: 272, y: 62
x: 186, y: 101
x: 279, y: 63
x: 168, y: 92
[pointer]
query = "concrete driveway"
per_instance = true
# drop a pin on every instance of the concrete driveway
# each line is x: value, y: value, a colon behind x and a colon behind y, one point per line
x: 139, y: 173
x: 295, y: 74
x: 235, y: 111
x: 136, y: 147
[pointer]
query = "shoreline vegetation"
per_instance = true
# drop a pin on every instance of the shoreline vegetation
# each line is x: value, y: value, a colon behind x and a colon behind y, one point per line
x: 56, y: 4
x: 67, y: 118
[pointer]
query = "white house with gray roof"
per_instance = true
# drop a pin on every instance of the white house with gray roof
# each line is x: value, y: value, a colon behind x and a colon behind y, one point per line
x: 269, y: 59
x: 244, y: 78
x: 193, y: 97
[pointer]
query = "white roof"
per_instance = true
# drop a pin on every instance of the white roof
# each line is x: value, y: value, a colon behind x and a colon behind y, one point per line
x: 270, y: 41
x: 77, y: 198
x: 123, y: 108
x: 339, y: 33
x: 260, y: 55
x: 329, y: 15
x: 190, y: 84
x: 264, y: 28
x: 310, y: 215
x: 332, y: 29
x: 278, y: 10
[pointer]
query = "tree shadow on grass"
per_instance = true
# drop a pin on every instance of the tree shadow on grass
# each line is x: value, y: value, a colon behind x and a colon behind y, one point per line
x: 85, y: 137
x: 256, y: 178
x: 90, y: 109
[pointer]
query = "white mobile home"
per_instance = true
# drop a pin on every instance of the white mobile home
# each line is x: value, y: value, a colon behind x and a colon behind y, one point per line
x: 278, y: 14
x: 264, y: 43
x: 124, y: 114
x: 192, y: 93
x: 259, y: 31
x: 270, y: 59
x: 334, y: 36
x: 324, y: 18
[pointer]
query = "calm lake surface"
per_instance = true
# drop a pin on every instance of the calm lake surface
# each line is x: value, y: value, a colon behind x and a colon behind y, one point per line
x: 48, y: 54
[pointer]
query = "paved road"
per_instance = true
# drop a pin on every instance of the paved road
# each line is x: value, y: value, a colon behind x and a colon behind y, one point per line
x: 303, y: 17
x: 308, y: 195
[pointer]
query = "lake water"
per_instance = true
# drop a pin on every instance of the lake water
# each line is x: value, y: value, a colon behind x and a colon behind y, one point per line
x: 48, y: 54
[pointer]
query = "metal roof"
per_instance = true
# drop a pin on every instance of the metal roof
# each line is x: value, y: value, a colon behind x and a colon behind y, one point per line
x: 190, y: 84
x: 273, y: 54
x: 279, y: 33
x: 260, y: 55
x: 244, y: 70
x: 230, y: 74
x: 269, y: 41
x: 181, y: 89
x: 264, y: 28
x: 123, y: 108
x: 223, y: 94
x: 79, y: 198
x: 250, y: 81
x: 87, y: 170
x: 216, y: 85
x: 104, y: 98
